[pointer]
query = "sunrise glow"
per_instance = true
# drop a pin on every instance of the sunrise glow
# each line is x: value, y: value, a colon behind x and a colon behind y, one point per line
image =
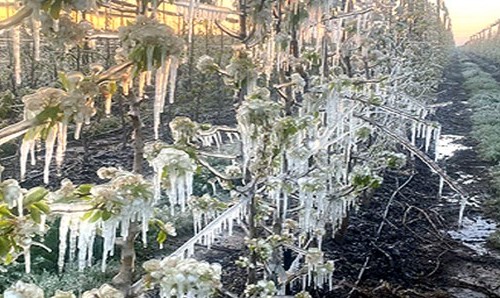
x: 471, y: 16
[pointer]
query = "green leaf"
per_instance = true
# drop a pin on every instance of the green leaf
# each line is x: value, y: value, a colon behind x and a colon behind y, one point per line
x: 84, y: 189
x: 46, y: 5
x: 64, y: 80
x: 42, y: 206
x: 106, y: 215
x: 34, y: 195
x: 162, y: 236
x: 4, y: 246
x: 4, y: 211
x: 97, y: 215
x: 55, y: 9
x: 9, y: 258
x: 48, y: 113
x: 35, y: 214
x: 87, y: 215
x: 112, y: 87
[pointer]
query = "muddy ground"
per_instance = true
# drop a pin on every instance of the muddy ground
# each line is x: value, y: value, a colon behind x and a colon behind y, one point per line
x: 414, y: 254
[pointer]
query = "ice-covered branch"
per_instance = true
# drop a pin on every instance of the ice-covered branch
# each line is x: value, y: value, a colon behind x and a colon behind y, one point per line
x: 206, y: 236
x: 212, y: 169
x: 422, y: 156
x: 15, y: 130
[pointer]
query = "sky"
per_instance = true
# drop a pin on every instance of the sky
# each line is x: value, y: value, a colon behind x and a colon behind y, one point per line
x: 471, y: 16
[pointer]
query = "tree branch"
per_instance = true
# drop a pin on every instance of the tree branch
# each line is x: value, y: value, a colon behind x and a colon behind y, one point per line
x: 225, y: 30
x: 17, y: 18
x: 422, y: 156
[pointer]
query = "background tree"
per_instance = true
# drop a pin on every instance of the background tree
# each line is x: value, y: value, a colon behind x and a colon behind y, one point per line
x: 326, y: 93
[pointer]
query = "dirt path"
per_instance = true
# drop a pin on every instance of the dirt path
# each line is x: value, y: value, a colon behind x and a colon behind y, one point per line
x: 475, y: 271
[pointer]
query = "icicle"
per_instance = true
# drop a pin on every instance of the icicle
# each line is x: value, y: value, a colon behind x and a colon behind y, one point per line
x: 149, y: 64
x: 173, y: 77
x: 107, y: 104
x: 109, y: 236
x: 437, y: 138
x: 35, y: 22
x: 73, y: 237
x: 413, y: 133
x: 441, y: 186
x: 61, y: 143
x: 43, y: 220
x: 463, y: 203
x: 90, y: 248
x: 32, y: 153
x: 85, y: 234
x: 161, y: 83
x: 55, y: 25
x: 142, y: 83
x: 158, y: 169
x: 16, y: 49
x: 157, y: 102
x: 63, y: 234
x: 428, y: 138
x: 144, y: 226
x: 24, y: 151
x: 78, y: 129
x: 166, y: 64
x: 49, y: 150
x: 27, y: 259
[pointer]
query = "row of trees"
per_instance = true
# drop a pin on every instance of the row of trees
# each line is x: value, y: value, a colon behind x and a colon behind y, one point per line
x: 326, y: 93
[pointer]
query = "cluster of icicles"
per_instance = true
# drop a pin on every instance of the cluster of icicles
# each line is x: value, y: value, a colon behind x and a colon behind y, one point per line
x: 319, y: 272
x: 56, y: 134
x: 75, y: 106
x: 81, y: 233
x: 206, y: 236
x: 179, y: 170
x: 214, y: 136
x: 201, y: 11
x: 316, y: 33
x: 165, y: 75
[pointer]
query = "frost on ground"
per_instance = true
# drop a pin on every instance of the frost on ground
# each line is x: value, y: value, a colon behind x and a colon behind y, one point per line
x: 448, y: 145
x: 474, y: 233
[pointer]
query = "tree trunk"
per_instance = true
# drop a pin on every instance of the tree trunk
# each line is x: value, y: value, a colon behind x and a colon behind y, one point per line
x: 123, y: 280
